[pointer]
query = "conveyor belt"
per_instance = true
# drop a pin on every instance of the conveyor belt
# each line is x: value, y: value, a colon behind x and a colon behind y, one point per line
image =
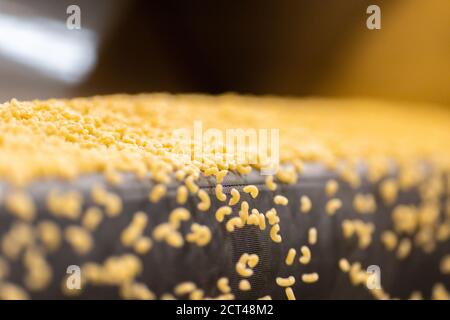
x: 164, y: 266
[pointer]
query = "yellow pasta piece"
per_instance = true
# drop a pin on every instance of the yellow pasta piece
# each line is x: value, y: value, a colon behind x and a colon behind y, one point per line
x: 21, y: 205
x: 290, y: 293
x: 272, y: 216
x: 274, y: 233
x: 252, y: 260
x: 252, y: 190
x: 184, y: 288
x: 332, y: 206
x: 223, y: 285
x: 290, y: 256
x: 364, y: 203
x: 205, y: 203
x: 92, y: 218
x: 285, y: 282
x: 344, y: 265
x: 281, y: 200
x: 244, y: 285
x: 221, y: 175
x: 388, y: 191
x: 331, y: 187
x: 182, y: 195
x: 177, y: 215
x: 270, y: 184
x: 389, y: 239
x: 157, y: 193
x: 404, y: 248
x: 312, y: 236
x: 190, y: 184
x: 143, y: 245
x: 222, y: 212
x: 134, y: 230
x: 310, y: 277
x: 243, y: 271
x: 243, y: 213
x: 305, y: 204
x: 306, y: 255
x: 50, y: 235
x: 219, y: 193
x: 233, y: 223
x: 79, y: 238
x: 235, y: 197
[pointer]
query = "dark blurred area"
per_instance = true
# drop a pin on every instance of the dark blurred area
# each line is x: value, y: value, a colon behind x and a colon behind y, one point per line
x: 298, y: 47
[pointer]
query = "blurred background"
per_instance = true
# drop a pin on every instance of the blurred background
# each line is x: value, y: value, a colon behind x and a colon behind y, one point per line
x: 297, y: 48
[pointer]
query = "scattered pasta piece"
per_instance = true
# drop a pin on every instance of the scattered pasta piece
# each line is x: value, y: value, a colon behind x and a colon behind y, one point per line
x: 306, y: 255
x: 223, y: 285
x: 157, y: 193
x: 274, y: 233
x: 312, y: 236
x: 289, y: 293
x: 416, y: 295
x: 305, y: 204
x: 243, y: 271
x: 388, y: 190
x: 389, y: 240
x: 200, y: 235
x: 190, y: 184
x: 243, y: 213
x: 364, y: 203
x: 272, y: 216
x: 270, y: 184
x: 235, y: 197
x: 244, y: 285
x: 310, y: 277
x: 197, y: 294
x: 135, y: 229
x: 252, y: 260
x: 50, y: 235
x: 439, y: 292
x: 404, y: 248
x: 92, y: 218
x: 222, y: 212
x: 332, y: 206
x: 221, y: 175
x: 184, y: 288
x: 331, y: 187
x: 143, y: 245
x: 280, y: 200
x: 445, y: 264
x: 205, y: 202
x: 65, y: 204
x: 344, y: 265
x: 182, y: 195
x: 235, y: 222
x: 21, y: 205
x: 136, y: 291
x: 177, y: 215
x: 285, y: 282
x: 290, y: 256
x: 79, y: 238
x: 219, y: 193
x: 252, y: 190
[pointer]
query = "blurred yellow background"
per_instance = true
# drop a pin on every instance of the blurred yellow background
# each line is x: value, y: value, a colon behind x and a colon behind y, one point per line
x: 297, y: 48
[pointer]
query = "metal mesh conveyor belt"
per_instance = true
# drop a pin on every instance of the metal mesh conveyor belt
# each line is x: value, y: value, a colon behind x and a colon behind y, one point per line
x: 164, y: 266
